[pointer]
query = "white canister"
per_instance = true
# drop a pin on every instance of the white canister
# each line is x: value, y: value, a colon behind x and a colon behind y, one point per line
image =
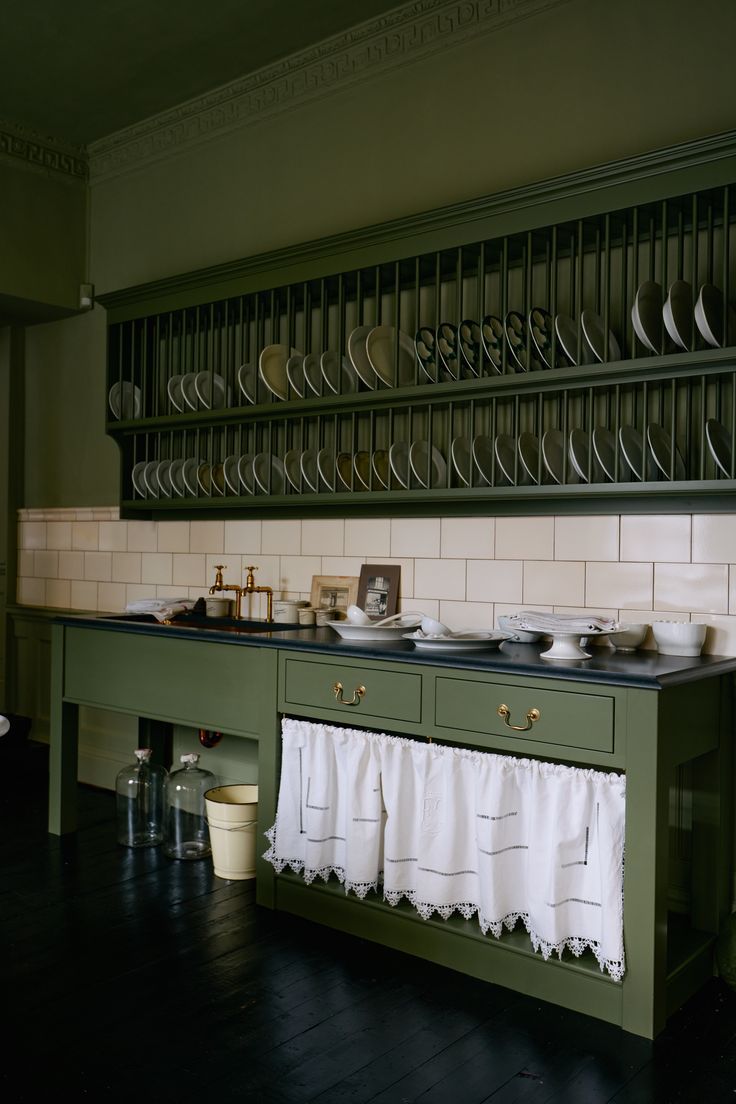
x: 306, y: 615
x: 218, y: 607
x: 286, y: 609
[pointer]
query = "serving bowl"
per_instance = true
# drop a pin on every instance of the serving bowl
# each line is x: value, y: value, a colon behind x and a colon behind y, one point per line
x: 680, y: 638
x: 628, y: 637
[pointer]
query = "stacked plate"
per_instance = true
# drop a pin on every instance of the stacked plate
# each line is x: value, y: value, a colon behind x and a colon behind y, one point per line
x: 198, y: 391
x: 679, y: 314
x: 124, y: 398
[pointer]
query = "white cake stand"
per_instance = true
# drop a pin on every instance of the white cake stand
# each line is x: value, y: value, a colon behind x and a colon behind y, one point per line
x: 566, y: 645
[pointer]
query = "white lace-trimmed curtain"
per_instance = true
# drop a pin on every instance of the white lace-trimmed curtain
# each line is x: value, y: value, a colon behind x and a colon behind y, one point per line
x: 455, y: 830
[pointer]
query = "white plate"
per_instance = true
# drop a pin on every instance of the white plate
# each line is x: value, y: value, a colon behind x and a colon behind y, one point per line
x: 678, y: 313
x: 360, y: 633
x: 136, y: 475
x: 338, y: 373
x: 150, y: 479
x: 359, y: 356
x: 272, y: 369
x: 632, y: 447
x: 211, y: 390
x: 293, y: 468
x: 467, y: 642
x: 719, y: 443
x: 344, y: 469
x: 326, y: 467
x: 505, y: 449
x: 482, y: 449
x: 660, y: 446
x: 362, y: 469
x: 427, y: 464
x: 462, y: 459
x: 553, y: 454
x: 646, y: 315
x: 381, y: 346
x: 312, y: 375
x: 230, y: 472
x: 491, y: 335
x: 174, y: 391
x: 567, y: 334
x: 295, y: 374
x: 267, y: 470
x: 176, y: 477
x: 529, y: 455
x: 218, y: 479
x: 578, y: 448
x: 125, y: 400
x: 248, y: 382
x: 245, y: 473
x: 709, y: 316
x: 398, y: 458
x: 204, y: 478
x: 380, y: 465
x: 310, y: 471
x: 189, y: 476
x: 595, y: 336
x: 163, y: 478
x: 189, y: 391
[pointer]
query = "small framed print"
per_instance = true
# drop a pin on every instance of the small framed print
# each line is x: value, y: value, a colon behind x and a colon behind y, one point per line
x: 378, y: 589
x: 334, y: 593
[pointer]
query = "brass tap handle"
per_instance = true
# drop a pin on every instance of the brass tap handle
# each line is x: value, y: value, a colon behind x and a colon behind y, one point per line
x: 219, y: 568
x: 358, y: 693
x: 250, y: 581
x: 532, y: 715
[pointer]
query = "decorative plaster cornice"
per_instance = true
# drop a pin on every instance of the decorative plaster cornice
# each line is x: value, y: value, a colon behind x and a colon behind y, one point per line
x: 406, y: 34
x: 42, y: 154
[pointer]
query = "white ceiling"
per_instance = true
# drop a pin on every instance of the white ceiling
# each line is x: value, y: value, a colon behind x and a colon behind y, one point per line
x: 78, y: 72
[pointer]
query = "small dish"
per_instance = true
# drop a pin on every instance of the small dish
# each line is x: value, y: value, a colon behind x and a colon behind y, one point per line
x: 709, y: 317
x: 230, y: 473
x: 462, y: 460
x: 295, y: 374
x: 679, y: 638
x: 272, y: 369
x: 373, y: 633
x: 150, y: 478
x: 293, y: 469
x: 582, y: 459
x: 568, y: 335
x: 604, y: 447
x: 646, y: 315
x: 380, y: 465
x: 136, y: 476
x: 457, y: 642
x: 189, y: 475
x: 163, y: 478
x: 312, y: 375
x: 211, y: 390
x: 594, y: 333
x: 326, y: 467
x: 268, y: 472
x: 517, y: 333
x: 482, y: 451
x: 204, y: 478
x: 218, y: 479
x: 628, y: 637
x: 362, y: 469
x: 528, y: 448
x: 471, y: 350
x: 428, y: 464
x: 660, y: 446
x: 174, y: 391
x: 447, y: 350
x: 189, y: 391
x: 338, y: 373
x: 504, y: 448
x: 553, y: 454
x: 632, y: 447
x: 125, y: 400
x: 248, y: 382
x: 398, y: 458
x: 176, y: 478
x: 359, y: 356
x: 719, y: 442
x: 491, y: 335
x: 678, y: 313
x: 310, y: 471
x: 344, y: 469
x: 391, y: 357
x: 245, y: 473
x: 425, y: 349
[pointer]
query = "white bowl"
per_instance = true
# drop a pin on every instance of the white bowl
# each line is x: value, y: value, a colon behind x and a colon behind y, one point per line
x: 628, y: 637
x: 523, y: 636
x: 680, y: 638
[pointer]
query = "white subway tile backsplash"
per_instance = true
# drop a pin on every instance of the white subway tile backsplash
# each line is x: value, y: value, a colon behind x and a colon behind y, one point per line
x: 494, y: 580
x: 439, y: 579
x: 71, y: 565
x: 714, y: 538
x: 369, y: 537
x: 126, y: 567
x: 520, y: 537
x: 206, y: 536
x: 173, y: 536
x: 32, y: 534
x: 26, y: 560
x: 240, y: 535
x: 86, y: 536
x: 98, y: 566
x: 297, y: 572
x: 323, y: 537
x: 135, y: 591
x: 31, y: 592
x: 624, y: 585
x: 586, y: 538
x: 655, y: 537
x: 461, y: 538
x: 59, y: 534
x: 83, y: 595
x: 341, y: 565
x: 45, y: 564
x: 281, y: 536
x: 698, y: 587
x: 188, y: 569
x: 156, y: 567
x: 142, y: 536
x: 113, y: 536
x: 720, y: 638
x: 415, y: 537
x: 59, y: 593
x: 555, y: 583
x: 111, y: 597
x: 466, y: 615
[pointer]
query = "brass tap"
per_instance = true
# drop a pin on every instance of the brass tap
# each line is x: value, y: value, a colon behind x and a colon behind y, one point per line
x: 219, y: 586
x: 251, y: 588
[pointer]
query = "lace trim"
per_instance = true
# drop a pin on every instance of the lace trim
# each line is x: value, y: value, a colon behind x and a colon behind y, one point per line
x: 467, y: 910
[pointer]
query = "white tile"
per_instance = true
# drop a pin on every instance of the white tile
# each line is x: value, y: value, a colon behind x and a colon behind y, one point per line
x: 111, y: 597
x: 340, y: 565
x: 232, y: 568
x: 588, y: 611
x: 714, y: 538
x: 505, y: 609
x: 323, y: 537
x: 495, y: 580
x: 701, y: 588
x: 32, y: 534
x: 86, y: 535
x: 25, y: 562
x: 189, y: 569
x: 267, y: 571
x: 732, y: 588
x: 173, y: 536
x: 156, y: 567
x: 83, y: 595
x: 46, y: 565
x: 720, y: 639
x: 279, y: 537
x: 202, y: 592
x: 240, y: 535
x: 440, y: 579
x: 126, y: 567
x: 655, y: 537
x: 297, y: 572
x: 586, y: 538
x: 646, y: 617
x: 368, y: 537
x: 466, y: 538
x: 142, y: 536
x: 428, y: 606
x: 170, y: 591
x: 623, y: 585
x: 415, y: 537
x: 59, y: 534
x: 406, y: 580
x: 520, y: 537
x: 98, y: 565
x: 113, y: 536
x: 59, y: 593
x: 466, y: 615
x: 560, y: 583
x: 71, y: 565
x: 206, y: 536
x: 135, y: 591
x: 31, y: 592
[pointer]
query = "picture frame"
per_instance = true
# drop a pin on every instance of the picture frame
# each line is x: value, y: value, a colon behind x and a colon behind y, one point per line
x: 334, y: 593
x: 378, y: 589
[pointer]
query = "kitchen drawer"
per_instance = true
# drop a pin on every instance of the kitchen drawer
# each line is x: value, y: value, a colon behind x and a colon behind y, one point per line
x: 565, y: 718
x: 389, y: 695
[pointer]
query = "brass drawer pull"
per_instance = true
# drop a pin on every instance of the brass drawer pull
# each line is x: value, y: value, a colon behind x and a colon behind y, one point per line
x: 358, y: 693
x: 532, y: 715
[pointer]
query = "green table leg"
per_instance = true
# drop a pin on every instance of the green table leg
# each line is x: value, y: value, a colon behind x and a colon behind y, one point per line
x: 64, y: 739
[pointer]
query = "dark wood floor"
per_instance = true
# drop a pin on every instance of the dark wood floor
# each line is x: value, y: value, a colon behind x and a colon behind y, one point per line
x: 128, y: 977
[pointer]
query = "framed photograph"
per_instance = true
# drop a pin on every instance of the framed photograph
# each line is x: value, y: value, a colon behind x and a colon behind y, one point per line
x: 334, y: 592
x: 378, y: 589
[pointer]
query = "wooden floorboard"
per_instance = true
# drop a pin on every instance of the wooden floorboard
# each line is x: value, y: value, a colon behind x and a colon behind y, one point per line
x: 129, y: 977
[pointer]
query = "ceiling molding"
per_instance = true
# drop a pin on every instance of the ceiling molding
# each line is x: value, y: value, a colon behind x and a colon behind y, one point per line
x: 407, y: 34
x: 42, y: 154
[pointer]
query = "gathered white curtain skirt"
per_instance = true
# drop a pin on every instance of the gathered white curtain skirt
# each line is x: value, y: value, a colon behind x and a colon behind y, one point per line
x: 454, y: 830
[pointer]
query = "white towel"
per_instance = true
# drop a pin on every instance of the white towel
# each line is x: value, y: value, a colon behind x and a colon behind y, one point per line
x: 535, y: 621
x: 456, y: 830
x: 163, y: 609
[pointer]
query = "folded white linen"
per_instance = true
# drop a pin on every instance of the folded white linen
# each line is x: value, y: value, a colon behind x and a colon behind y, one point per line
x: 457, y: 830
x: 163, y: 609
x: 536, y: 621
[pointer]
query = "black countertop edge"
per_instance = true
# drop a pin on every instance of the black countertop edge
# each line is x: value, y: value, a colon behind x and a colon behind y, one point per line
x: 643, y: 669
